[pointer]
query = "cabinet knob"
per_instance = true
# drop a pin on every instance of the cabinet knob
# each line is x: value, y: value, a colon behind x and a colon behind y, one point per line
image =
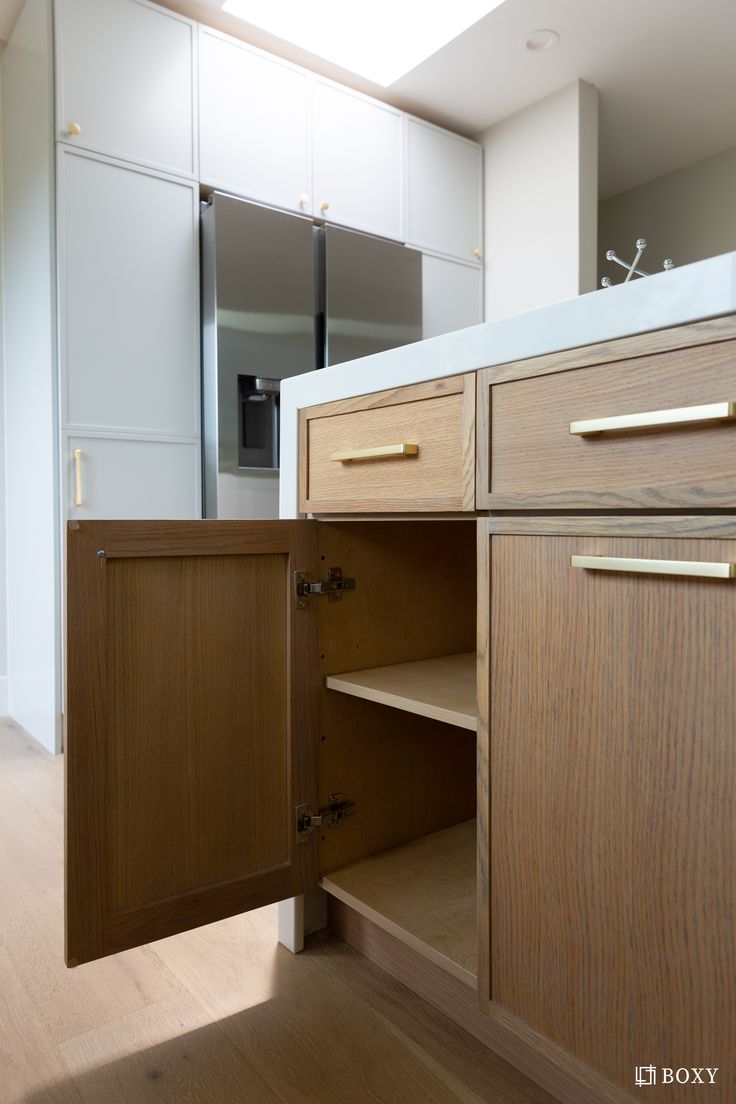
x: 303, y: 199
x: 74, y: 128
x: 324, y: 205
x: 477, y: 252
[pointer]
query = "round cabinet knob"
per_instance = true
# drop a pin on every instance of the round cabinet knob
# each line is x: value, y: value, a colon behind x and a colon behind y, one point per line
x: 324, y: 205
x: 477, y: 253
x: 74, y: 128
x: 303, y: 199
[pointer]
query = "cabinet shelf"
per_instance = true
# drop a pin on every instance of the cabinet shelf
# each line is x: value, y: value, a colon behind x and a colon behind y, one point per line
x: 423, y: 893
x: 443, y: 689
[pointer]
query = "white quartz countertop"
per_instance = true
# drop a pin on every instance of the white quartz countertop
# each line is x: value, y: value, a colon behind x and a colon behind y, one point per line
x: 688, y: 294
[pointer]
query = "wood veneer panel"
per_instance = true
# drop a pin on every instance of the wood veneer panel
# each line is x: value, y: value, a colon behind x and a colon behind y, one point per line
x: 536, y: 460
x: 613, y: 801
x: 438, y: 416
x: 443, y: 688
x: 190, y: 726
x: 414, y: 599
x: 423, y: 893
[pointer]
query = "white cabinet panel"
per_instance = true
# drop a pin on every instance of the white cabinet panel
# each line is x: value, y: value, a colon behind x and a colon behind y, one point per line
x: 444, y: 191
x: 132, y: 479
x: 129, y: 298
x: 125, y: 77
x: 452, y: 296
x: 357, y: 161
x: 254, y: 123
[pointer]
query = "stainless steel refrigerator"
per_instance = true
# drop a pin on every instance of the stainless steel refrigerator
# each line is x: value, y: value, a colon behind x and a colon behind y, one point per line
x: 281, y: 295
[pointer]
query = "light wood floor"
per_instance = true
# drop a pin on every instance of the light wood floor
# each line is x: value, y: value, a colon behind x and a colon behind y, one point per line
x: 222, y: 1015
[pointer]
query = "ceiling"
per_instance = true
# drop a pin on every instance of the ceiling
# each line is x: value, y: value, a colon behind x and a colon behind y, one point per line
x: 664, y: 70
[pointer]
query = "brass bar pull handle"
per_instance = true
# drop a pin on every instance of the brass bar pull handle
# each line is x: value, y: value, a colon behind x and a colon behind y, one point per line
x: 377, y: 453
x: 651, y: 419
x: 702, y: 569
x: 77, y: 477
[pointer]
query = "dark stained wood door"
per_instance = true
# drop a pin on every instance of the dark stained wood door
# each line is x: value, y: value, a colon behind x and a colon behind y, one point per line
x: 613, y: 806
x: 190, y: 725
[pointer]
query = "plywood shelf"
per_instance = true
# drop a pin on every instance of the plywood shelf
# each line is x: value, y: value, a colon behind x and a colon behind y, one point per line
x: 443, y: 689
x: 423, y: 893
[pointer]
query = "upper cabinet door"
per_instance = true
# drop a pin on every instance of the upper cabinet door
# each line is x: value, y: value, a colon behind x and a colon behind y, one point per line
x: 444, y: 192
x: 254, y: 123
x: 357, y: 161
x: 125, y: 81
x: 190, y: 739
x: 129, y: 298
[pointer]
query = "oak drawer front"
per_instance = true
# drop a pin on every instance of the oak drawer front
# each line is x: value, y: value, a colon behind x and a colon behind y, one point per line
x: 656, y: 431
x: 407, y: 450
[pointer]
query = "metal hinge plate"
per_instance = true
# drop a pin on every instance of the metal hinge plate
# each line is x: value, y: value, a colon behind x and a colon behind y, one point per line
x: 329, y: 817
x: 333, y: 586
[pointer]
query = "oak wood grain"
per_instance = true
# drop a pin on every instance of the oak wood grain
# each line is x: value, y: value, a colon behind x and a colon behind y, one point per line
x: 438, y: 417
x: 443, y: 688
x: 689, y: 525
x: 423, y: 893
x: 612, y: 715
x: 414, y: 600
x: 534, y: 454
x: 191, y: 737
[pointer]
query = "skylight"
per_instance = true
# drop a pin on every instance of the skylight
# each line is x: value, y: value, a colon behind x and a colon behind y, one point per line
x: 377, y: 39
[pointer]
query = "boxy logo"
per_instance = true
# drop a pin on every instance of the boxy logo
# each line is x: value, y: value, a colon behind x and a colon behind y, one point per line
x: 669, y: 1075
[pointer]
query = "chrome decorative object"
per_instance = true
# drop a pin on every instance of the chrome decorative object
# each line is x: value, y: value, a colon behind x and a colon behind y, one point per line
x: 633, y: 268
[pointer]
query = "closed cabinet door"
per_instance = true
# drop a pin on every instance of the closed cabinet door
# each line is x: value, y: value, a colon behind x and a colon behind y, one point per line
x: 190, y: 734
x: 129, y: 299
x: 613, y: 802
x: 254, y: 123
x: 444, y: 192
x: 452, y: 295
x: 115, y: 478
x: 357, y: 161
x: 125, y: 81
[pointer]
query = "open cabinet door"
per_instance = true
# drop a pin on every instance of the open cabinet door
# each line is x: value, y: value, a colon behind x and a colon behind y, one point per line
x: 190, y: 725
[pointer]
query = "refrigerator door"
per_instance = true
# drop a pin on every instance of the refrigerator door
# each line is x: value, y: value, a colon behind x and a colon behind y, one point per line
x: 373, y: 294
x: 258, y: 324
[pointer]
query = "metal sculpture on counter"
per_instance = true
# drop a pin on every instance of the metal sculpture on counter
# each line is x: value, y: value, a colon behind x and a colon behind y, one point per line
x: 633, y: 268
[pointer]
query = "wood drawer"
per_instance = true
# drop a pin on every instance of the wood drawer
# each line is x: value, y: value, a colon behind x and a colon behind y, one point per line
x: 537, y: 461
x: 437, y: 417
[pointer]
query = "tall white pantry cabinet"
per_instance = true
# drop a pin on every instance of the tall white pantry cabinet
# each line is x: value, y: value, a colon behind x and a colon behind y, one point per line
x: 116, y: 114
x: 101, y: 311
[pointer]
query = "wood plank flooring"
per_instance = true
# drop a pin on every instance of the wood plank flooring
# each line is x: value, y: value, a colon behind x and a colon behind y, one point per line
x: 220, y: 1015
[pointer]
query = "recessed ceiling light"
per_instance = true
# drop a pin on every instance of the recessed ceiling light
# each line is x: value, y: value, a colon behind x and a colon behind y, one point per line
x: 380, y: 40
x: 542, y: 40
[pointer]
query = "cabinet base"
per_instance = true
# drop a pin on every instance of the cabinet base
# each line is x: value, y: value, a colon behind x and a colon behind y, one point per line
x: 568, y: 1080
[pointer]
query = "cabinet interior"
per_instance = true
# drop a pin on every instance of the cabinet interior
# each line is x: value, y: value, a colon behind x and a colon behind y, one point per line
x: 406, y: 858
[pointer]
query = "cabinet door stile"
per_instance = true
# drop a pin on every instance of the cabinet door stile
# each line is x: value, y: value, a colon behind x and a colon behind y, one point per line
x: 192, y: 680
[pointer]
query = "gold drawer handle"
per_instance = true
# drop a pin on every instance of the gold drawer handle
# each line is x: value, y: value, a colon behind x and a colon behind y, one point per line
x: 650, y: 419
x: 377, y: 453
x: 705, y: 570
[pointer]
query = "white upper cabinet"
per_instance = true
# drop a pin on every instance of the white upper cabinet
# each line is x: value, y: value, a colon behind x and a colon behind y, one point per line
x: 452, y: 295
x: 254, y: 123
x: 128, y: 298
x: 357, y: 161
x: 125, y: 81
x: 444, y: 199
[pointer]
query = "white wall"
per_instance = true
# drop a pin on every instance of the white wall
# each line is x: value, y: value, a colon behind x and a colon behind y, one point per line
x: 29, y: 363
x: 541, y: 202
x: 3, y: 575
x: 687, y: 215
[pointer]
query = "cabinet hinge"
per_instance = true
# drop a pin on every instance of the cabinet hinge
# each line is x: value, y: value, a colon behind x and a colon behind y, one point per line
x: 329, y: 817
x: 333, y: 586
